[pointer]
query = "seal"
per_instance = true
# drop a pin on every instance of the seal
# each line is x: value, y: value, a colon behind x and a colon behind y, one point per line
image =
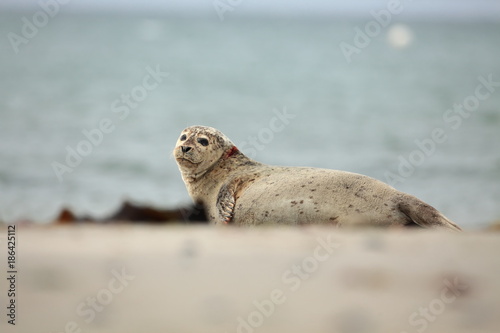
x: 235, y: 189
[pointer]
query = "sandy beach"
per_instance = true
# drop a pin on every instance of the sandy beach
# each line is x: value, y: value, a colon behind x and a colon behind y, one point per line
x: 158, y: 278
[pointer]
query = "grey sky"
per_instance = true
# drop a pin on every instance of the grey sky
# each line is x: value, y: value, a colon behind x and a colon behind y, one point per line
x: 437, y: 8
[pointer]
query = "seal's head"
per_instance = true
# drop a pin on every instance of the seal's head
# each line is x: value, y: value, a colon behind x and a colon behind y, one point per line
x: 199, y: 148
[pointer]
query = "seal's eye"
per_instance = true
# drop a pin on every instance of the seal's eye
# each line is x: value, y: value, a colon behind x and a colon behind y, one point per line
x: 183, y: 137
x: 203, y: 142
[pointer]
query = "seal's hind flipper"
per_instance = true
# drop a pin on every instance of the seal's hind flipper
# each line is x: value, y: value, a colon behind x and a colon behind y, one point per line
x: 423, y: 214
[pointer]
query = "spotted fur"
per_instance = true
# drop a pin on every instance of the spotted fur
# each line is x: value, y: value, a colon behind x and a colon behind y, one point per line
x: 235, y: 189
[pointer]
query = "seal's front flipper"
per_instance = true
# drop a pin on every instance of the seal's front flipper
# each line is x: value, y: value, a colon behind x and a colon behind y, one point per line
x: 228, y: 194
x: 225, y: 202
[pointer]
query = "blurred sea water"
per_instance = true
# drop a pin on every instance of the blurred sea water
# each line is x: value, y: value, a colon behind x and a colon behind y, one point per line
x: 237, y: 75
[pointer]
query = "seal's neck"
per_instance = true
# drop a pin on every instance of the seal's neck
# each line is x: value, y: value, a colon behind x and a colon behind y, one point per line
x: 231, y: 151
x: 209, y: 180
x: 192, y: 177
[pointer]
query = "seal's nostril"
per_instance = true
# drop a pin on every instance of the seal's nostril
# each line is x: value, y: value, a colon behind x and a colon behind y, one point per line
x: 185, y: 149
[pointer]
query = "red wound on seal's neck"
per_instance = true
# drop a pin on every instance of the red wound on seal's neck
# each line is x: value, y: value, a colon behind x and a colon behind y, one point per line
x: 231, y: 152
